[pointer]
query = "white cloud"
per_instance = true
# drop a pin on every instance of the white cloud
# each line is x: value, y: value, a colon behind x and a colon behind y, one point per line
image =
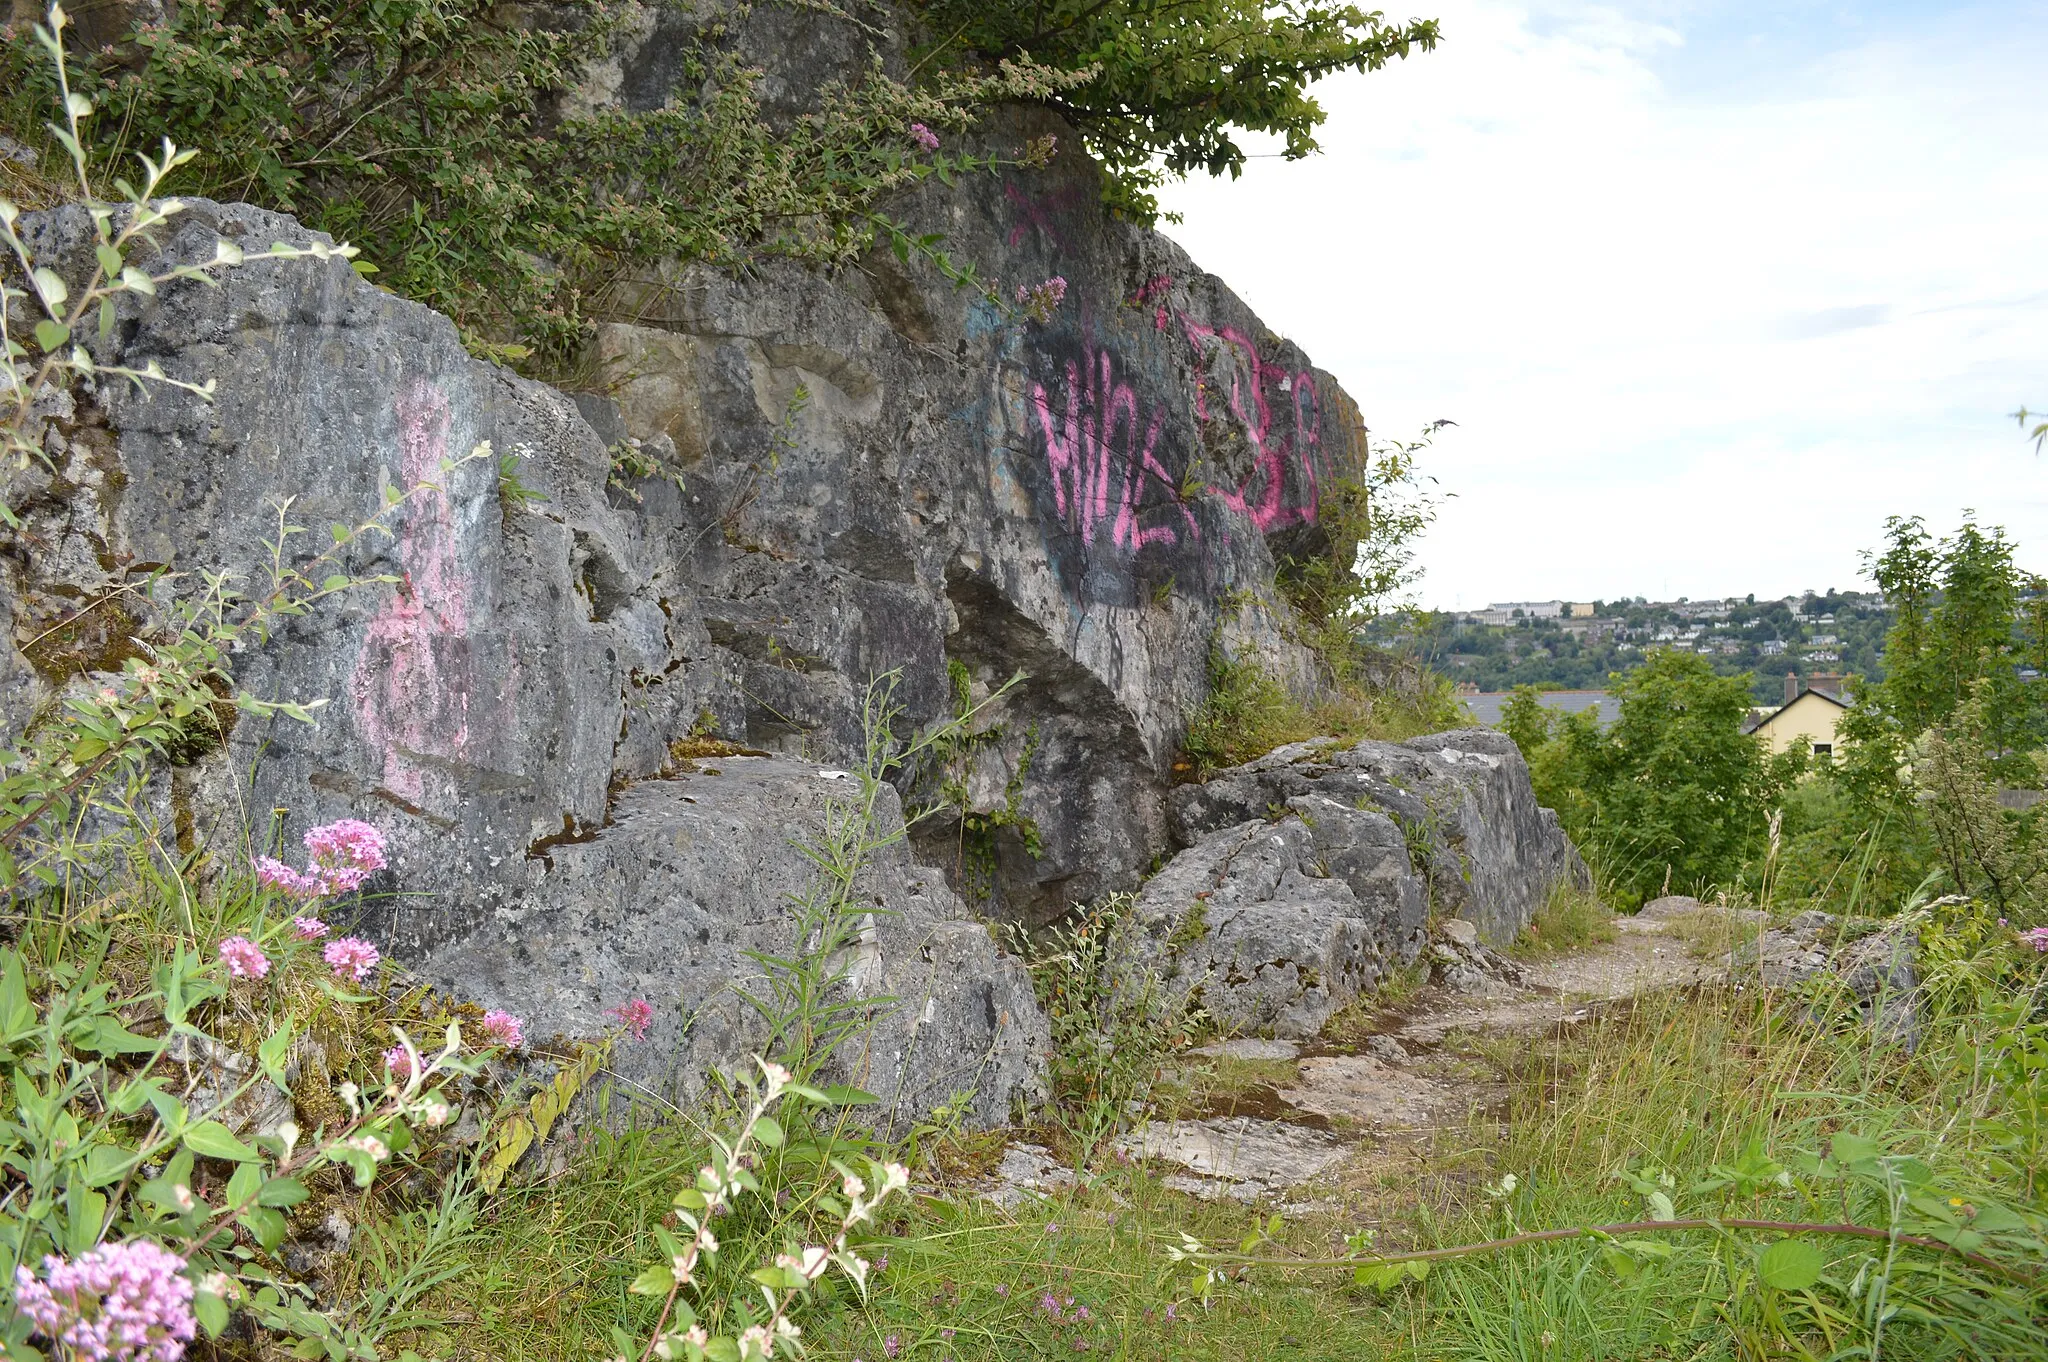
x: 1701, y: 331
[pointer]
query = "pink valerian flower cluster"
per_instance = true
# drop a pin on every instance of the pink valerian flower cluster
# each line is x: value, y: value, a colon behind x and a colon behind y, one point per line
x: 119, y: 1303
x: 924, y: 137
x: 504, y: 1029
x: 1041, y: 300
x: 345, y: 853
x: 309, y: 928
x: 244, y: 958
x: 2036, y: 937
x: 635, y: 1016
x: 399, y: 1063
x: 351, y: 958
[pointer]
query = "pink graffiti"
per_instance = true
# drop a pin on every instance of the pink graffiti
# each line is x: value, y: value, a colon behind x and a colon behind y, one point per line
x: 412, y: 679
x: 1272, y: 454
x: 1096, y: 477
x: 1158, y: 286
x: 1041, y: 213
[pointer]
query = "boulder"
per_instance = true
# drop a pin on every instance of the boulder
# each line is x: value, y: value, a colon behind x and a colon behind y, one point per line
x: 1273, y: 927
x: 699, y: 882
x: 1482, y: 846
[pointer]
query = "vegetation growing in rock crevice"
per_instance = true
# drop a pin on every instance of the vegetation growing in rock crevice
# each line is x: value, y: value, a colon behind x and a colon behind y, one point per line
x: 443, y: 138
x: 436, y: 136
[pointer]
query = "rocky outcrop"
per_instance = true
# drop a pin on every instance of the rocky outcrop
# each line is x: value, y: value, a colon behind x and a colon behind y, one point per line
x: 1484, y: 849
x: 864, y: 475
x: 1870, y: 963
x: 1312, y: 873
x: 858, y: 475
x: 687, y: 899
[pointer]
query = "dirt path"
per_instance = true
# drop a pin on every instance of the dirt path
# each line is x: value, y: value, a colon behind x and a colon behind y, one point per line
x: 1349, y: 1117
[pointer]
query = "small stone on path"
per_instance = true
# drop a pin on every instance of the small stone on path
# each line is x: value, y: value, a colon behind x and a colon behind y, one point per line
x: 1239, y: 1156
x: 1360, y: 1088
x: 1249, y: 1047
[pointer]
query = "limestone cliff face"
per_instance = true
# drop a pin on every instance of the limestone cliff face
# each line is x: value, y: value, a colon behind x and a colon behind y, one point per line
x: 877, y: 474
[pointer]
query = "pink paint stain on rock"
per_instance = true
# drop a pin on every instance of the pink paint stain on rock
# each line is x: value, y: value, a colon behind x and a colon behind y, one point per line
x: 1272, y: 454
x: 413, y: 678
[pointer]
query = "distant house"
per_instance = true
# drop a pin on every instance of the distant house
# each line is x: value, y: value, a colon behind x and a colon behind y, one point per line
x: 1809, y: 717
x: 1535, y: 610
x: 1773, y: 647
x: 1486, y: 706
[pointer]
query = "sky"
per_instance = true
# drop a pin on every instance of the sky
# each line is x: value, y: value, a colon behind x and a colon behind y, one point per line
x: 1710, y: 289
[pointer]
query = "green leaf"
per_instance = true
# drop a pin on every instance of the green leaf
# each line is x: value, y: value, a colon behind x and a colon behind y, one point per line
x: 267, y: 1225
x: 105, y: 1163
x: 17, y: 1013
x: 1661, y: 1207
x: 282, y: 1192
x: 51, y: 335
x: 768, y: 1131
x: 243, y: 1186
x: 840, y: 1095
x: 1790, y: 1265
x: 52, y: 287
x: 1853, y: 1149
x: 657, y: 1280
x: 362, y: 267
x: 109, y: 1037
x: 273, y: 1053
x: 722, y: 1349
x: 106, y: 318
x: 212, y: 1140
x: 1619, y: 1262
x: 211, y: 1311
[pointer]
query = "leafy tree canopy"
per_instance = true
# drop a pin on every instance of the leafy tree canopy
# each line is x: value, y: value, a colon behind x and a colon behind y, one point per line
x: 1175, y: 81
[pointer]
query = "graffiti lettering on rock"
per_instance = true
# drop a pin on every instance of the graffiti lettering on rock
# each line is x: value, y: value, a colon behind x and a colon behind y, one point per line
x: 1251, y: 386
x: 1106, y: 476
x: 412, y: 680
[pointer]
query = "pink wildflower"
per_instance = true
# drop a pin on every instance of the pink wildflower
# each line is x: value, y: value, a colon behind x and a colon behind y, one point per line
x: 351, y: 957
x: 893, y: 1344
x: 279, y: 876
x: 118, y: 1303
x: 929, y: 140
x: 345, y: 854
x: 309, y: 928
x: 245, y: 959
x: 2037, y: 938
x: 635, y: 1016
x: 1041, y: 300
x: 504, y: 1029
x: 399, y: 1063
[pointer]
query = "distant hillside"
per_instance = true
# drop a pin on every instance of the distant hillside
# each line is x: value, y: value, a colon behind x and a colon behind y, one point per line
x: 1575, y: 646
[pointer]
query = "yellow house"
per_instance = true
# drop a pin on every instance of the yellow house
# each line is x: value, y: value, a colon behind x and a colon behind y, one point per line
x: 1808, y: 720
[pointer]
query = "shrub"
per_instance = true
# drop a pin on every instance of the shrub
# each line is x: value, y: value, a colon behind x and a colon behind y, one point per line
x: 432, y: 133
x: 1167, y: 86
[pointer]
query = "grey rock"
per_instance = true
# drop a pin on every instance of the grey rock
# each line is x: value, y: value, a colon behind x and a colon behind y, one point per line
x: 699, y: 875
x: 1236, y: 1156
x: 215, y: 1076
x: 1387, y: 1049
x: 1668, y: 907
x: 1277, y: 925
x: 942, y: 504
x: 1487, y: 852
x: 1026, y: 1170
x: 1810, y: 923
x: 1362, y: 1089
x: 1249, y: 1047
x: 1257, y: 925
